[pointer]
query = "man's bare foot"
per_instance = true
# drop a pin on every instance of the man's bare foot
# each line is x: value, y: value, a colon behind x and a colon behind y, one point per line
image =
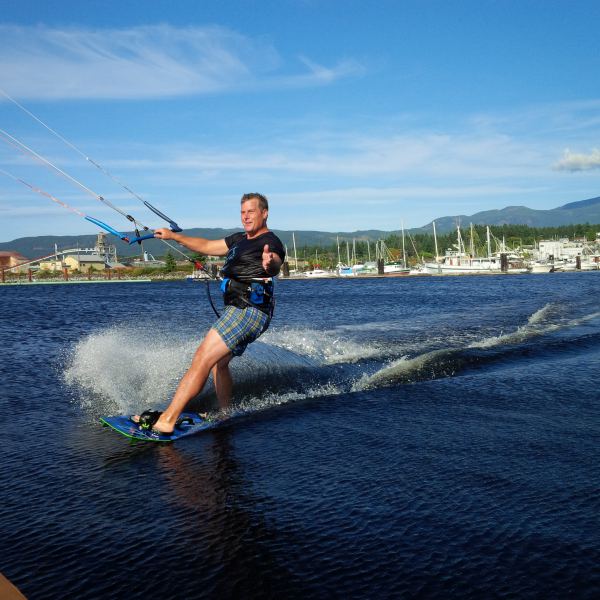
x: 152, y: 419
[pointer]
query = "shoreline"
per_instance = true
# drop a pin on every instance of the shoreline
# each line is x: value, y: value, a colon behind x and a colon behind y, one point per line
x: 75, y: 281
x: 281, y: 278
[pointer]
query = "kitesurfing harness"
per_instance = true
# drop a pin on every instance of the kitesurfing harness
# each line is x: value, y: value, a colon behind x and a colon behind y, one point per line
x: 257, y: 292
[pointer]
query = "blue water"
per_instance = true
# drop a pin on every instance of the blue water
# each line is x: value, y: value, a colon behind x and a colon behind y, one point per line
x: 423, y: 437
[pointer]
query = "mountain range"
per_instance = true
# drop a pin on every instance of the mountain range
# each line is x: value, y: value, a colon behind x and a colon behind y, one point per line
x: 584, y: 211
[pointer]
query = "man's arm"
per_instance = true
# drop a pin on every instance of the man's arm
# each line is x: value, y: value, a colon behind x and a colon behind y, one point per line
x: 196, y: 244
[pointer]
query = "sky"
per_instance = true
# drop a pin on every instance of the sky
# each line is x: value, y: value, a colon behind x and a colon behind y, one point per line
x: 347, y: 114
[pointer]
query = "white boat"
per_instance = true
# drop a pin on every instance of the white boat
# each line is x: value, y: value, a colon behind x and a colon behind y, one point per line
x: 197, y: 275
x: 345, y: 271
x: 351, y: 268
x: 454, y: 262
x: 589, y: 265
x: 579, y: 264
x: 317, y: 273
x: 366, y: 268
x: 418, y: 270
x: 565, y: 265
x: 390, y: 265
x: 458, y: 261
x: 539, y: 266
x: 396, y: 268
x: 566, y: 255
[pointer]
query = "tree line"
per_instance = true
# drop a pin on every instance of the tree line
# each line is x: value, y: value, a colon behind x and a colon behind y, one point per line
x: 419, y: 246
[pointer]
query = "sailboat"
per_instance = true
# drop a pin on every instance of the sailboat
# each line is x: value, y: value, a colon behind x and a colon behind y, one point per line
x: 344, y: 270
x: 317, y: 271
x: 459, y: 261
x: 390, y: 266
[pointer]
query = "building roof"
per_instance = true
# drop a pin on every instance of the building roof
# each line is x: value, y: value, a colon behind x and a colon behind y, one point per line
x: 89, y: 258
x: 11, y: 253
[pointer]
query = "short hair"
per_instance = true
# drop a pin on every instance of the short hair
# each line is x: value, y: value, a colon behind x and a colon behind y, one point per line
x: 263, y: 203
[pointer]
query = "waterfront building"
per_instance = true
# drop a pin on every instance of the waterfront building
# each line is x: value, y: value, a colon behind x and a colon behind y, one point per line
x: 10, y: 258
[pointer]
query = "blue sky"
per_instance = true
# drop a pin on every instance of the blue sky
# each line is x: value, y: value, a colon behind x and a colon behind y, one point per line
x: 347, y: 114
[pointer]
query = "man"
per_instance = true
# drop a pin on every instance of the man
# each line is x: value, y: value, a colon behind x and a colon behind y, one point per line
x: 253, y: 257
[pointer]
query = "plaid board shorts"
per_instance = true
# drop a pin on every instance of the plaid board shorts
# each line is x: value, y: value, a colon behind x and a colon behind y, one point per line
x: 239, y: 327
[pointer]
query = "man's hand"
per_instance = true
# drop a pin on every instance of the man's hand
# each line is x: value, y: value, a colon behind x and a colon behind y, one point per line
x: 270, y: 261
x: 164, y: 234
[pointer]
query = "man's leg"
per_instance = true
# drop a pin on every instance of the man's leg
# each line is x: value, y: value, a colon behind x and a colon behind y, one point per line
x: 223, y: 382
x: 209, y: 353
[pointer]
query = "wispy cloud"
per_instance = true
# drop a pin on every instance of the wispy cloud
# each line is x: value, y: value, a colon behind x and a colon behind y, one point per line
x: 317, y: 74
x: 27, y: 212
x: 572, y: 161
x: 350, y: 155
x: 147, y: 62
x: 395, y: 194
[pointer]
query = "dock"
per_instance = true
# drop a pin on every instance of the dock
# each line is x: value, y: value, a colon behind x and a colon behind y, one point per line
x: 74, y: 281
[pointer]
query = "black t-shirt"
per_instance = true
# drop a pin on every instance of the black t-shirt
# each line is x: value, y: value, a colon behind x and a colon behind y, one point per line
x: 244, y: 259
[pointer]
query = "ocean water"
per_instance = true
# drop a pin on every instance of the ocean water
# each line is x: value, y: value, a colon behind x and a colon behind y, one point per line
x: 390, y: 438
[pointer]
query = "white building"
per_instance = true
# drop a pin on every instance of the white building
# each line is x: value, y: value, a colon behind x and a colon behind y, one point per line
x: 560, y: 249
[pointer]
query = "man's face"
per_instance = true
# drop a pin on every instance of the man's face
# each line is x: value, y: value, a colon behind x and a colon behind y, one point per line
x: 253, y: 218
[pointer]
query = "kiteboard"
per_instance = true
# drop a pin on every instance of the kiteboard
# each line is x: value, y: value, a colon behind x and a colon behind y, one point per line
x: 188, y: 424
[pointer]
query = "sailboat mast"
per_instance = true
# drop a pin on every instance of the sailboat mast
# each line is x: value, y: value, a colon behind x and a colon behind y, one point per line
x: 437, y: 254
x: 403, y: 248
x: 461, y: 246
x: 295, y: 256
x: 472, y: 242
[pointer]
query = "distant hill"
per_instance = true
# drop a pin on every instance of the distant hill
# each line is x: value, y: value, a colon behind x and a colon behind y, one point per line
x: 584, y: 211
x: 34, y: 247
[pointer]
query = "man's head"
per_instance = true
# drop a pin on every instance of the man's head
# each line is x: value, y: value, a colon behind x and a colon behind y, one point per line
x: 254, y: 213
x: 263, y: 203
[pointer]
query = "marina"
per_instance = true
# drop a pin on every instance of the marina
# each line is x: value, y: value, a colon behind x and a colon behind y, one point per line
x: 101, y: 263
x: 546, y: 256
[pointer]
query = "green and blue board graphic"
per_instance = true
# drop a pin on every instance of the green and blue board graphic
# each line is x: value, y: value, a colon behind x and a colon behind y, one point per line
x: 188, y: 424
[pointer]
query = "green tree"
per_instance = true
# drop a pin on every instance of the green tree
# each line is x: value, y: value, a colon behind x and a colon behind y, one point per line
x: 170, y: 264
